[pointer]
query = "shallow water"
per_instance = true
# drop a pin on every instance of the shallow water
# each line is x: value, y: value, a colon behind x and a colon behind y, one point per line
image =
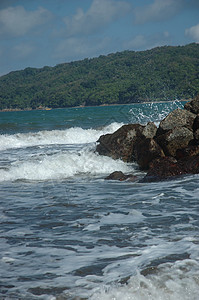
x: 66, y: 233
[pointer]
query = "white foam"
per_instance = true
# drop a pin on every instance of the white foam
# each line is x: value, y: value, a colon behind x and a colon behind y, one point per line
x: 134, y: 216
x: 63, y: 165
x: 73, y: 135
x: 179, y: 280
x: 7, y: 259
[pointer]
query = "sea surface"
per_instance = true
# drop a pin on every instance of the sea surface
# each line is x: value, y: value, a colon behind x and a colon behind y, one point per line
x: 66, y: 233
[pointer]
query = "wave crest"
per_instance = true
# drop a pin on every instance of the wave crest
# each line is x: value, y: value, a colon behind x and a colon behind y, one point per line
x: 63, y: 165
x: 73, y: 135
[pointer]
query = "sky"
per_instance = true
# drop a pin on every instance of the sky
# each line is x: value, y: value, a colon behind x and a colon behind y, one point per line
x: 38, y: 33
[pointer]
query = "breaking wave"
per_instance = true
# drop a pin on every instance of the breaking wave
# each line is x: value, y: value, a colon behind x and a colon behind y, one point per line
x: 73, y: 135
x: 62, y: 165
x: 166, y: 282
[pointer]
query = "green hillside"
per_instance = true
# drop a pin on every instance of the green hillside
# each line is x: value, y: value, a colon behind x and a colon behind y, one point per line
x: 163, y: 73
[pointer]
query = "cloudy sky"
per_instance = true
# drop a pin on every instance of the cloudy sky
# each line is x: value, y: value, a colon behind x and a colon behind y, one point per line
x: 37, y: 33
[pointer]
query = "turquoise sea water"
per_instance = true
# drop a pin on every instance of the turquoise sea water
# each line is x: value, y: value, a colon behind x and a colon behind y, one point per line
x: 66, y: 233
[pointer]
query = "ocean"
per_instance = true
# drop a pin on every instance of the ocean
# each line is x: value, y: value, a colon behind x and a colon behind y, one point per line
x: 67, y: 233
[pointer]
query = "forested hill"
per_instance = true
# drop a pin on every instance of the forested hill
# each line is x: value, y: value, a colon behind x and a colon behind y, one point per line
x: 163, y: 73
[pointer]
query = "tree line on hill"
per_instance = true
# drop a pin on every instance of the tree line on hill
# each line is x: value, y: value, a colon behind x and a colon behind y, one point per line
x: 162, y: 73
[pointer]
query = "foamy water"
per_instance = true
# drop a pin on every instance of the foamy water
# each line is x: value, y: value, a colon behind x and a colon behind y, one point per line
x: 62, y: 166
x: 55, y: 137
x: 58, y: 154
x: 167, y: 282
x: 66, y: 233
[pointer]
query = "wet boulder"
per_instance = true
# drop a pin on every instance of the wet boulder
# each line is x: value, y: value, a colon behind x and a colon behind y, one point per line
x: 177, y: 118
x: 120, y: 144
x: 196, y: 129
x: 196, y: 123
x: 162, y: 169
x: 184, y: 153
x: 169, y: 167
x: 196, y: 136
x: 145, y: 147
x: 193, y: 106
x: 190, y: 164
x: 118, y: 175
x: 146, y: 150
x: 172, y: 140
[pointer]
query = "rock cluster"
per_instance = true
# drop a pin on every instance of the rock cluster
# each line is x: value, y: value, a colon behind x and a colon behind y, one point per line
x: 170, y: 150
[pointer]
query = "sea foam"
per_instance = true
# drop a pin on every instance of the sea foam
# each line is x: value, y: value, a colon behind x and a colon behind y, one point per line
x: 169, y: 281
x: 73, y: 135
x: 63, y: 165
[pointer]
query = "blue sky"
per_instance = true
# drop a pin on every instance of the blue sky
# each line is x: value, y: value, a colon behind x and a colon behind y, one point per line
x: 37, y: 33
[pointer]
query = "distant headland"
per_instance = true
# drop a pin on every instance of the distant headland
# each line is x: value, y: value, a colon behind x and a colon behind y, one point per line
x: 160, y: 74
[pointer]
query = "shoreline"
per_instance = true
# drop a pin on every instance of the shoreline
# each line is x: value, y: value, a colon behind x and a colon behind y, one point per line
x: 82, y: 106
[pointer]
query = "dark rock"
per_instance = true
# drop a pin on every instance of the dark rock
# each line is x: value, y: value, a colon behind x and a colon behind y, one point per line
x: 120, y: 143
x: 193, y: 106
x: 147, y: 150
x: 168, y: 168
x: 162, y: 169
x: 196, y: 136
x: 189, y: 151
x: 175, y: 139
x: 177, y: 118
x: 118, y: 175
x: 190, y: 165
x: 196, y: 123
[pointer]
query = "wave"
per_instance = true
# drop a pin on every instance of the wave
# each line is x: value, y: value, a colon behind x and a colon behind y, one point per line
x: 73, y: 135
x: 62, y: 165
x: 169, y: 281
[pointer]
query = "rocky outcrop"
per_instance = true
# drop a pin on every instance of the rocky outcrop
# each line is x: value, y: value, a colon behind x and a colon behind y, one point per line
x: 146, y: 150
x: 120, y: 144
x: 172, y: 140
x: 186, y: 152
x: 162, y: 168
x: 150, y: 130
x: 193, y: 106
x: 176, y: 119
x: 175, y: 131
x: 118, y: 175
x: 169, y: 167
x: 129, y: 142
x: 170, y: 150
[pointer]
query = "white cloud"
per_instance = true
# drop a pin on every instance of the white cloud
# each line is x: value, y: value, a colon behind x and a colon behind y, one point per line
x: 23, y: 50
x: 100, y: 13
x: 16, y: 21
x: 78, y: 48
x: 137, y: 42
x: 193, y: 33
x: 141, y: 42
x: 158, y: 10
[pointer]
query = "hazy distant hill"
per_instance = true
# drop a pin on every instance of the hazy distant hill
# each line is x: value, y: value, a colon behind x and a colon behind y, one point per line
x: 163, y: 73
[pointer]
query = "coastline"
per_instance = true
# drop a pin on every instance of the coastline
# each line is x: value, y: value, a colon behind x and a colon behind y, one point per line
x: 27, y: 109
x: 81, y: 106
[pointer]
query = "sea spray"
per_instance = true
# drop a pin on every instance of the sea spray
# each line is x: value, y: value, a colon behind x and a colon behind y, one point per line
x: 158, y: 111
